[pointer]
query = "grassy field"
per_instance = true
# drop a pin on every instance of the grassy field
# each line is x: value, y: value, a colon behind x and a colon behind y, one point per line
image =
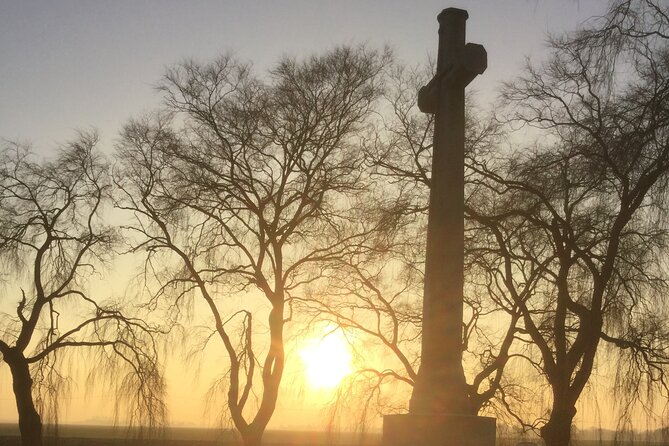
x: 71, y: 435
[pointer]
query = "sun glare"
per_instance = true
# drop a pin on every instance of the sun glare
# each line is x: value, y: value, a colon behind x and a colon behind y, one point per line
x: 326, y: 359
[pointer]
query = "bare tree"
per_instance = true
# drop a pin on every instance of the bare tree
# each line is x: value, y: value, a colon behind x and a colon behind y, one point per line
x: 248, y: 188
x: 565, y: 238
x: 52, y: 238
x: 377, y: 294
x: 580, y: 218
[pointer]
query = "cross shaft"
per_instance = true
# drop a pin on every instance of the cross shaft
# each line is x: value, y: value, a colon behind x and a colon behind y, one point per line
x: 440, y: 387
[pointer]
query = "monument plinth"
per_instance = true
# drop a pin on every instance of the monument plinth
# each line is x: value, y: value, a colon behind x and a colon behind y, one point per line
x: 439, y: 411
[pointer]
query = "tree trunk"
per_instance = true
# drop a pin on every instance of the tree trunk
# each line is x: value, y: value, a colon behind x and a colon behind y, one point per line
x: 272, y: 373
x: 557, y: 432
x: 252, y: 435
x: 271, y: 377
x: 30, y: 423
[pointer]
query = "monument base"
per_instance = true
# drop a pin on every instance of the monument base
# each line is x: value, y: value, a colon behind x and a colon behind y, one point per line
x: 438, y: 430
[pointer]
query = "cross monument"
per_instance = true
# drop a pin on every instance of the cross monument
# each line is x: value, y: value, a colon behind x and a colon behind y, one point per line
x: 439, y: 410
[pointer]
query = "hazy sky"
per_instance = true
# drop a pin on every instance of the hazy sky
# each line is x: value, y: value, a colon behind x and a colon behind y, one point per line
x: 67, y: 65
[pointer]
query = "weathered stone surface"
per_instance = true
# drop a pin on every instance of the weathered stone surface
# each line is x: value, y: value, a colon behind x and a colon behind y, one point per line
x: 438, y: 430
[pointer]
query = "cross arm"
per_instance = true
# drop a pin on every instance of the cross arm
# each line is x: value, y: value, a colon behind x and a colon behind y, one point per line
x: 474, y: 62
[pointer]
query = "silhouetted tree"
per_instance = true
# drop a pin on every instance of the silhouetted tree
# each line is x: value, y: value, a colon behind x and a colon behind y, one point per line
x: 52, y: 238
x: 248, y: 186
x: 564, y: 238
x: 378, y: 295
x: 580, y: 217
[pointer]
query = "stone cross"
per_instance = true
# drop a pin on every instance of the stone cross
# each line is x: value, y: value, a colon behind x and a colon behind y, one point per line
x: 440, y: 387
x: 439, y: 412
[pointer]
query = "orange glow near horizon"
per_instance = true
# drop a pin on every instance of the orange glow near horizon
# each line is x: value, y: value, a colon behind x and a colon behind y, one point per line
x: 326, y: 360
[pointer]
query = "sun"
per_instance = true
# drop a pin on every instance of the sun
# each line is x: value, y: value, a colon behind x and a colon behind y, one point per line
x: 326, y: 359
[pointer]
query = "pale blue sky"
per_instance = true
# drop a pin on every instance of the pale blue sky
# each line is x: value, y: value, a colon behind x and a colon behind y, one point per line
x: 67, y: 64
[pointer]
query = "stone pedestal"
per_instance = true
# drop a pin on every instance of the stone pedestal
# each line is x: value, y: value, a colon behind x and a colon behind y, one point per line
x: 438, y: 430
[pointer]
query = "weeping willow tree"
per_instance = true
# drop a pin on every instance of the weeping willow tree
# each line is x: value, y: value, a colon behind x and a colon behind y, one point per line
x: 566, y: 236
x: 580, y: 215
x: 375, y: 296
x: 52, y: 239
x: 241, y: 190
